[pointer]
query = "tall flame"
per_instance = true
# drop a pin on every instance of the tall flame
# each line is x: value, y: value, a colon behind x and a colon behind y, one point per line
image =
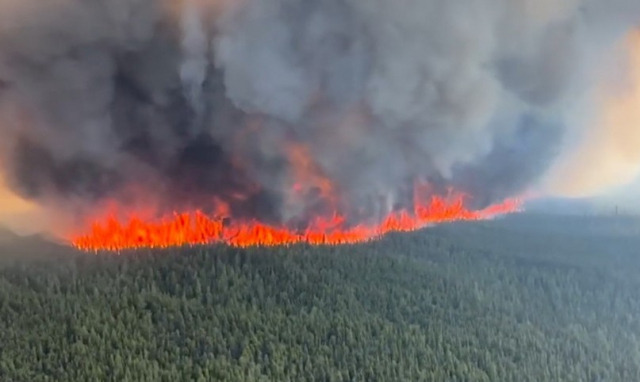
x: 196, y: 228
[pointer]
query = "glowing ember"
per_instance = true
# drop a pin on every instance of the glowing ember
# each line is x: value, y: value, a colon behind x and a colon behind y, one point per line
x: 197, y: 228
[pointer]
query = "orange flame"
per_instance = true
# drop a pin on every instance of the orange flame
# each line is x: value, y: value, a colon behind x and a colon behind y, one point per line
x: 196, y: 228
x: 308, y: 174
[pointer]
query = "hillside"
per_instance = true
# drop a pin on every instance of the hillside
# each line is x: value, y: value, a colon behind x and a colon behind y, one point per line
x: 17, y: 249
x: 528, y: 298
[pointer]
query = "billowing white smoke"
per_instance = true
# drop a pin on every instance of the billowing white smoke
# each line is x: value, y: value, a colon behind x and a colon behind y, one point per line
x: 444, y: 80
x: 423, y: 70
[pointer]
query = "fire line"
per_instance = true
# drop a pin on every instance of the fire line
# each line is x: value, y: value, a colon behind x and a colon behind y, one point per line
x: 196, y: 228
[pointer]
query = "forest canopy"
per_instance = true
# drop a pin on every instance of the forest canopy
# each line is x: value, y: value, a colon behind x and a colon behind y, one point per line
x: 520, y: 299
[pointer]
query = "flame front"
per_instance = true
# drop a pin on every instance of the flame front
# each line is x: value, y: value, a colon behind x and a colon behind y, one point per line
x: 196, y: 228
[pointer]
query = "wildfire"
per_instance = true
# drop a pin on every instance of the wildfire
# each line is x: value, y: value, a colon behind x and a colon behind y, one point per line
x: 196, y: 228
x: 308, y: 174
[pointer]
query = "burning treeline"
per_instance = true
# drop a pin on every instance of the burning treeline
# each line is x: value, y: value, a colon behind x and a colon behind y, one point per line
x: 327, y: 121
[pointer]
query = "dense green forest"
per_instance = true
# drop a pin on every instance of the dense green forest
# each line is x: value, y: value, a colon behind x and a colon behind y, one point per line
x: 527, y: 298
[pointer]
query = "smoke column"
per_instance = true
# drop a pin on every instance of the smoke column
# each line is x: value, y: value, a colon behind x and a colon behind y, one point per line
x: 273, y: 105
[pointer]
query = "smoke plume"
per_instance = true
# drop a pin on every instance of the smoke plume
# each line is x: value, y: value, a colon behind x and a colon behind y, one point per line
x: 269, y: 104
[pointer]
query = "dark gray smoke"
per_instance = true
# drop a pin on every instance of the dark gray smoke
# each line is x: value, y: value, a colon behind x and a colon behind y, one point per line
x: 184, y: 102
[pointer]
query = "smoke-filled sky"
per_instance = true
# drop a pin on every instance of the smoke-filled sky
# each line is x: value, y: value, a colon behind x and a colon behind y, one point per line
x: 607, y: 155
x: 269, y: 105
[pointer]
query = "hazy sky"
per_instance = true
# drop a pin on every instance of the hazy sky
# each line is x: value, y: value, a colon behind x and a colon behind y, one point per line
x: 18, y: 214
x: 607, y: 156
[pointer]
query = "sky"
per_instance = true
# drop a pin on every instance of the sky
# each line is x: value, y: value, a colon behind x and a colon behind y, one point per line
x: 606, y: 160
x: 20, y: 215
